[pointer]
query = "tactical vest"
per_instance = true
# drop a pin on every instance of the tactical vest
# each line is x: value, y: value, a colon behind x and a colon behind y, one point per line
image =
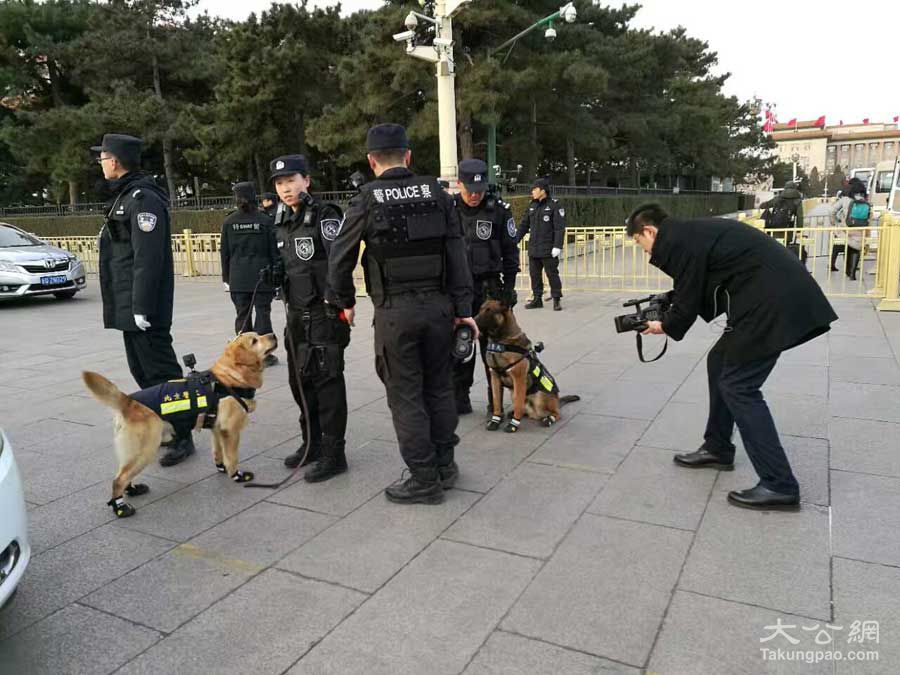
x: 483, y: 228
x: 305, y: 258
x: 406, y: 234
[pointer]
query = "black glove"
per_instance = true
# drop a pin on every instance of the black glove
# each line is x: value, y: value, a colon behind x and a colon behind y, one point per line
x: 511, y: 297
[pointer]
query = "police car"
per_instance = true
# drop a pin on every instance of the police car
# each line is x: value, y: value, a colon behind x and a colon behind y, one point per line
x: 14, y: 549
x: 28, y: 267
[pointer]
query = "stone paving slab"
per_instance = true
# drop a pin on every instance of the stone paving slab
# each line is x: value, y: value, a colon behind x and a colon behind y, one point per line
x: 530, y: 511
x: 650, y: 488
x: 863, y: 370
x: 508, y: 654
x: 708, y: 636
x: 76, y: 639
x: 770, y: 559
x: 391, y: 538
x: 441, y: 630
x: 592, y: 442
x: 261, y: 628
x: 865, y: 446
x: 605, y: 590
x: 865, y: 509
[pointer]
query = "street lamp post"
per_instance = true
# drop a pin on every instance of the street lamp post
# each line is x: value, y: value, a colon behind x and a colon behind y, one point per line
x: 795, y: 158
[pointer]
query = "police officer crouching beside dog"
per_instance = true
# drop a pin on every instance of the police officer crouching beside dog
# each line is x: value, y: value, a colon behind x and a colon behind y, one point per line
x: 315, y: 335
x: 490, y: 234
x: 771, y: 304
x: 247, y: 246
x: 419, y: 281
x: 546, y: 220
x: 137, y: 281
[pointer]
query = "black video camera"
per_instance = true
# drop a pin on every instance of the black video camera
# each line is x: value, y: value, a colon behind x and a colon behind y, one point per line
x: 657, y: 306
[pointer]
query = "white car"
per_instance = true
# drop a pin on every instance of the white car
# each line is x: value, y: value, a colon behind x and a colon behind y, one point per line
x: 28, y: 267
x: 15, y: 551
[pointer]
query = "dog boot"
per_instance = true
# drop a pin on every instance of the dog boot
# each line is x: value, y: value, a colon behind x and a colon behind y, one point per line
x: 135, y: 490
x: 242, y: 476
x: 548, y: 421
x: 120, y: 507
x: 494, y: 423
x: 513, y: 426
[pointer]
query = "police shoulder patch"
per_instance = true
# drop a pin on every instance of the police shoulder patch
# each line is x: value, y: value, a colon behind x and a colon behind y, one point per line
x: 562, y: 212
x: 146, y: 221
x: 331, y: 228
x: 511, y: 228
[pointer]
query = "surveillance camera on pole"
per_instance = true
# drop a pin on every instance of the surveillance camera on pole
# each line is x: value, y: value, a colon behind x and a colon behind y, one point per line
x: 405, y: 36
x: 411, y: 21
x: 568, y: 13
x: 550, y: 34
x: 442, y: 42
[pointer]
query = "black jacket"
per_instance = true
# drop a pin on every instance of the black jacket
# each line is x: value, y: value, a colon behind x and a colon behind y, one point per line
x: 136, y: 271
x: 723, y: 266
x: 490, y: 234
x: 357, y: 227
x: 304, y: 240
x: 547, y: 222
x: 248, y: 245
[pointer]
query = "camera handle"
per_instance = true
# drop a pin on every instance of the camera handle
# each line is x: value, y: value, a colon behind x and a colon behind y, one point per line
x: 640, y: 349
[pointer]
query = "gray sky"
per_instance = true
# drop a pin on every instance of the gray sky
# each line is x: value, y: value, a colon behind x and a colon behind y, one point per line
x: 756, y: 41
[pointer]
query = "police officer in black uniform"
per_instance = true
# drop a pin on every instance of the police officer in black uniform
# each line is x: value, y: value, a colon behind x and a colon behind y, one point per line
x: 248, y: 246
x: 546, y: 219
x: 137, y: 281
x: 490, y: 234
x: 316, y: 334
x: 419, y: 280
x: 269, y: 203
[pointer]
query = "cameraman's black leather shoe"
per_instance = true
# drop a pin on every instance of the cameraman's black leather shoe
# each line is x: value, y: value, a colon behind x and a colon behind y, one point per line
x: 534, y: 303
x: 703, y: 459
x: 764, y: 499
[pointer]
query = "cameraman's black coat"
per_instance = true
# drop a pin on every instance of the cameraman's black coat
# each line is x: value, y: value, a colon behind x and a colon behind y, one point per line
x: 248, y: 245
x: 724, y: 266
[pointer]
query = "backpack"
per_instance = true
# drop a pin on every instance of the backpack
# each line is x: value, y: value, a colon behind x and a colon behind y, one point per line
x: 858, y: 215
x: 781, y: 216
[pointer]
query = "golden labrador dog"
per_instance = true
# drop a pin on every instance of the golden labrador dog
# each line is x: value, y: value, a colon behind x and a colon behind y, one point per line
x: 514, y: 364
x: 219, y: 399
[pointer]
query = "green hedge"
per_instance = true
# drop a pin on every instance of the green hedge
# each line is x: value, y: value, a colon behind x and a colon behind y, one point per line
x: 580, y: 212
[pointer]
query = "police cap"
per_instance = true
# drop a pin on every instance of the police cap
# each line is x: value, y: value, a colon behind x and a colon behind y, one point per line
x: 288, y: 165
x: 386, y: 137
x: 473, y: 174
x: 268, y: 195
x: 246, y: 191
x: 123, y: 147
x: 543, y: 184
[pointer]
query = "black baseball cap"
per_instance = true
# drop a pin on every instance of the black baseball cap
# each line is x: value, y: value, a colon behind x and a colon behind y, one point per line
x: 473, y: 173
x: 542, y: 183
x: 288, y: 165
x: 121, y: 146
x: 386, y: 137
x: 268, y: 195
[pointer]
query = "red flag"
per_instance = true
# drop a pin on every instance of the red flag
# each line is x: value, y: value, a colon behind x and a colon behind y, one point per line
x: 896, y: 118
x: 821, y: 121
x: 792, y: 122
x: 865, y: 120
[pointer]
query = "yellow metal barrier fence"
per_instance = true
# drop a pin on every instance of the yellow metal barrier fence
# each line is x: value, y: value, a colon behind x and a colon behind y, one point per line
x: 606, y: 259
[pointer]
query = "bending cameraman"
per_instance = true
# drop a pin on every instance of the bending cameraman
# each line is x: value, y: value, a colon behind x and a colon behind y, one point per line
x: 771, y: 304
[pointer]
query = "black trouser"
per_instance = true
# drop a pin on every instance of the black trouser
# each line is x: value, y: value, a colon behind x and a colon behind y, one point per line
x: 244, y: 304
x: 851, y: 262
x: 735, y: 397
x: 550, y: 265
x: 151, y: 358
x: 315, y: 342
x: 836, y: 250
x: 464, y: 373
x: 413, y: 339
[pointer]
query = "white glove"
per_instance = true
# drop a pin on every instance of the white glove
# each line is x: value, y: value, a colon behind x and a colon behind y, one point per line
x: 555, y: 252
x: 227, y: 287
x: 141, y: 321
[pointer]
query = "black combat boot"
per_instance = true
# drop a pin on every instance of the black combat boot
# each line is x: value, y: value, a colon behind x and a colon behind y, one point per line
x: 292, y: 461
x: 447, y: 468
x: 534, y: 303
x: 332, y: 462
x: 422, y: 487
x: 463, y: 403
x: 184, y: 448
x: 557, y: 305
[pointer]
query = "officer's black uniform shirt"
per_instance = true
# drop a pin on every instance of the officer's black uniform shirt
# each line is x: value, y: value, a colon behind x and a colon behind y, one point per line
x: 345, y: 249
x: 248, y: 245
x: 546, y: 219
x: 490, y: 234
x: 304, y: 239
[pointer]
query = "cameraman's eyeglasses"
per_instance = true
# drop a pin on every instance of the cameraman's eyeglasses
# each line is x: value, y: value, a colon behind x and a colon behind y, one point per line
x: 100, y: 160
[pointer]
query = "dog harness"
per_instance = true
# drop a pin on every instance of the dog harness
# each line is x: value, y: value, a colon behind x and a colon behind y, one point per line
x: 539, y: 378
x: 181, y: 402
